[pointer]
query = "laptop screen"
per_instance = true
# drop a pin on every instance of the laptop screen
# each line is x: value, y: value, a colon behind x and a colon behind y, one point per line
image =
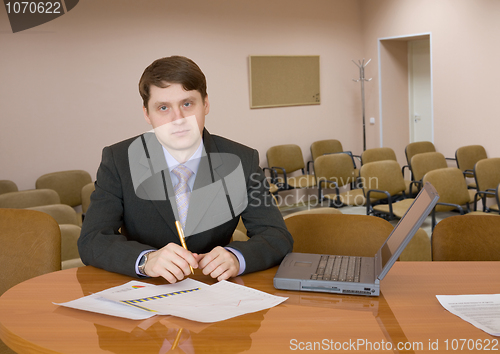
x: 411, y: 221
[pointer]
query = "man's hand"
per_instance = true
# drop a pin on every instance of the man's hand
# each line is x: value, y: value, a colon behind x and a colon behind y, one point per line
x: 219, y: 263
x: 171, y: 262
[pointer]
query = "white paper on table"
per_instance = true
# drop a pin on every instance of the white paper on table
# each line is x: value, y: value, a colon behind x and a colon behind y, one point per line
x: 188, y: 299
x: 197, y: 301
x: 99, y: 304
x: 483, y: 311
x: 222, y: 301
x: 142, y: 298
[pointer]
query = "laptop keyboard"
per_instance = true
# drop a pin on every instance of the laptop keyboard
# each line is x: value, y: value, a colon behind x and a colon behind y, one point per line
x: 338, y: 268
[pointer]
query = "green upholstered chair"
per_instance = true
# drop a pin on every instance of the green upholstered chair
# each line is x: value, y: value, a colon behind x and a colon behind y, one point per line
x: 332, y: 146
x: 62, y: 213
x: 378, y: 154
x: 467, y: 238
x: 415, y: 148
x: 86, y: 193
x: 322, y: 147
x: 69, y: 225
x: 351, y: 235
x: 383, y: 184
x: 452, y: 189
x: 423, y: 163
x: 339, y: 234
x: 467, y: 157
x: 382, y: 154
x: 325, y: 210
x: 287, y: 159
x: 70, y: 257
x: 68, y: 184
x: 29, y: 198
x: 31, y: 246
x: 487, y: 176
x: 7, y: 186
x: 335, y: 171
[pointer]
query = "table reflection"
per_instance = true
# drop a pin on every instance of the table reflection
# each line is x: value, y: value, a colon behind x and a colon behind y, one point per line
x: 31, y: 322
x: 378, y: 306
x: 159, y: 333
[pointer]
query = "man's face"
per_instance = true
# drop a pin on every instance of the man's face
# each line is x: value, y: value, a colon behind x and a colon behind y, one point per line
x: 178, y: 114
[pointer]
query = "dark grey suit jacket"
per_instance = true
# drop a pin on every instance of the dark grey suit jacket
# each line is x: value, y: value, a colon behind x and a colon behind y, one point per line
x: 219, y: 192
x: 120, y: 224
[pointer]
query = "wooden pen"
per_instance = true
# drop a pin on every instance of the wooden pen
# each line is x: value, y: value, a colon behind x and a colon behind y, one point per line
x: 177, y: 339
x: 181, y: 237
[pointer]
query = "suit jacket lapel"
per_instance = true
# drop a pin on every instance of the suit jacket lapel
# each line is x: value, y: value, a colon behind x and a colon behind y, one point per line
x: 201, y: 198
x: 162, y: 180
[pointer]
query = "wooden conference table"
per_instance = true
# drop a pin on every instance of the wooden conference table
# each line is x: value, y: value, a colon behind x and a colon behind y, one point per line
x: 407, y: 312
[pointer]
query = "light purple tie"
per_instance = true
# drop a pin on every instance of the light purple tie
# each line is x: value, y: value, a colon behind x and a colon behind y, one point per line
x: 182, y: 192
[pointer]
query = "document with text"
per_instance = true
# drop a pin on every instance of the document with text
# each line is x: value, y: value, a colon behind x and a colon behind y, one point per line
x: 188, y: 299
x: 483, y: 311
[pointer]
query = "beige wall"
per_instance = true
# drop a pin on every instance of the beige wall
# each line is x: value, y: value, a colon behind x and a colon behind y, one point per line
x: 69, y: 87
x: 464, y: 45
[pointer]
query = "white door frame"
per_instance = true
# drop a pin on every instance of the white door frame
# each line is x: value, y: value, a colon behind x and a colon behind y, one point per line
x: 408, y: 38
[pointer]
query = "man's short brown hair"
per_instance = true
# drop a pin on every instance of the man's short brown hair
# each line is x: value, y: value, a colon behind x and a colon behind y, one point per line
x: 174, y: 70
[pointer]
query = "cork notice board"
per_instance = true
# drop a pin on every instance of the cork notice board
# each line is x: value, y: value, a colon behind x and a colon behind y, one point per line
x: 284, y: 81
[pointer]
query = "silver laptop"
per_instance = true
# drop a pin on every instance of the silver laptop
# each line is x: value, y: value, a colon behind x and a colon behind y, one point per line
x: 355, y: 275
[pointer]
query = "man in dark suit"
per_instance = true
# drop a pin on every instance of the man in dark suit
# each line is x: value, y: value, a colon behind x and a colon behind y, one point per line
x: 180, y: 173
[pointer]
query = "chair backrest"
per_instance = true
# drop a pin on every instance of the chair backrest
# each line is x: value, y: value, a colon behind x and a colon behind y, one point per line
x: 497, y: 196
x: 29, y: 198
x: 321, y: 147
x: 450, y: 185
x: 327, y: 230
x: 425, y: 162
x: 340, y: 234
x: 86, y: 192
x: 487, y: 173
x: 31, y: 246
x: 334, y: 167
x: 467, y: 238
x: 378, y: 154
x: 69, y: 242
x: 467, y: 156
x: 382, y: 175
x: 68, y: 184
x: 418, y: 249
x: 7, y: 186
x: 326, y: 210
x: 62, y: 213
x: 287, y: 156
x: 418, y: 147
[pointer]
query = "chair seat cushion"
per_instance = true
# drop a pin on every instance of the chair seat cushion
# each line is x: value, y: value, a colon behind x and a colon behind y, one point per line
x: 303, y: 181
x: 399, y: 208
x: 472, y: 185
x: 472, y: 194
x: 353, y: 197
x: 273, y: 188
x: 480, y: 213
